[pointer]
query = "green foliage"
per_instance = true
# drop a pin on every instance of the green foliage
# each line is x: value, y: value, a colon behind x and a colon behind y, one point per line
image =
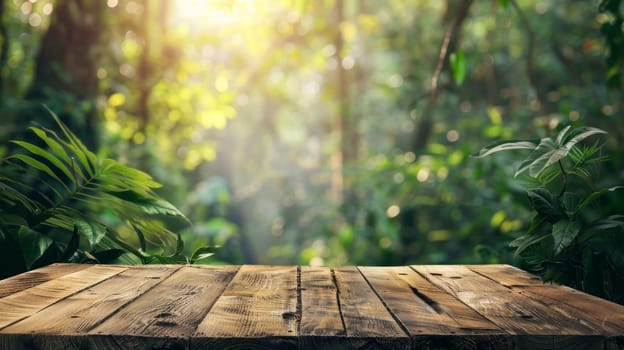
x: 242, y: 111
x: 61, y: 202
x: 571, y: 240
x: 458, y: 66
x: 613, y: 31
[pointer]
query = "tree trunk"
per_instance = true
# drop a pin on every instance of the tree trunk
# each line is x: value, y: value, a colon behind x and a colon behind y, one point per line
x: 66, y: 66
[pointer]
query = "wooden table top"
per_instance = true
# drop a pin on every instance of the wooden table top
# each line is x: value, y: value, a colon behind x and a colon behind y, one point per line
x: 71, y: 306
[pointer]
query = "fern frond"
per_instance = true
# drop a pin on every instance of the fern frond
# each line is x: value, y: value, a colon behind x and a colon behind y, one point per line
x: 65, y: 189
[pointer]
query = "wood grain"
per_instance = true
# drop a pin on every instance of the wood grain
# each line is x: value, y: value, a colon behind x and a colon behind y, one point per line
x: 321, y: 325
x: 511, y: 311
x: 432, y: 317
x: 95, y: 307
x: 258, y: 309
x: 166, y: 315
x: 590, y: 310
x: 507, y: 275
x: 368, y: 324
x: 319, y: 303
x: 74, y: 316
x: 32, y: 278
x: 22, y: 304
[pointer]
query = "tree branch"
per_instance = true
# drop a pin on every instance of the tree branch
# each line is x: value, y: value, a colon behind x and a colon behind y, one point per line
x: 450, y: 34
x: 423, y: 130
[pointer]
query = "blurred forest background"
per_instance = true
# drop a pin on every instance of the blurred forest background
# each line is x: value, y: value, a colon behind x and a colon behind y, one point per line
x: 328, y: 132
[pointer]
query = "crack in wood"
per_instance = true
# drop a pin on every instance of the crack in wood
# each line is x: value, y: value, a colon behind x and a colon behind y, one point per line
x: 432, y: 303
x: 383, y: 302
x: 299, y: 310
x: 333, y: 276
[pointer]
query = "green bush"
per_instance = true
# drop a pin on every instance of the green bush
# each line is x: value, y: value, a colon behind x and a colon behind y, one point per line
x: 571, y: 240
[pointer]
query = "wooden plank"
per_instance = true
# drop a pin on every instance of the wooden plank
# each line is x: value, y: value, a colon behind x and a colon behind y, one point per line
x: 600, y: 314
x: 32, y: 278
x: 319, y: 303
x: 166, y: 315
x: 604, y: 316
x: 69, y: 319
x: 22, y: 304
x: 433, y: 318
x: 258, y: 309
x: 368, y: 324
x: 321, y: 324
x: 507, y: 275
x: 511, y: 311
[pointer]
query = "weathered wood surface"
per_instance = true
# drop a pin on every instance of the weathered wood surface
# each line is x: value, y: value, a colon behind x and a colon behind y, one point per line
x: 67, y: 306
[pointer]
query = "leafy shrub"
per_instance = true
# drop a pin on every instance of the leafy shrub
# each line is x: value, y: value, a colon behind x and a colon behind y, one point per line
x: 570, y: 239
x: 61, y: 202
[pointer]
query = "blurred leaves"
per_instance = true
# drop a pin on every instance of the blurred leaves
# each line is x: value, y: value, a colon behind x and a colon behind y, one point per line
x: 290, y: 134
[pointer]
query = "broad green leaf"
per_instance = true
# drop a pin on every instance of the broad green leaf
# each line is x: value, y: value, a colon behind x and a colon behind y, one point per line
x: 458, y: 66
x: 564, y: 233
x: 524, y: 242
x: 544, y: 155
x: 202, y: 253
x: 595, y: 195
x: 92, y: 230
x: 148, y: 205
x: 579, y: 134
x: 544, y: 202
x: 504, y: 3
x: 32, y: 244
x: 504, y: 146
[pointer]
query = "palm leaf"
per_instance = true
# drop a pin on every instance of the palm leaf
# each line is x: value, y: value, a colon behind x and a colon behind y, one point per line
x: 504, y: 146
x: 49, y: 156
x: 83, y: 152
x: 84, y: 187
x: 40, y: 166
x: 569, y: 140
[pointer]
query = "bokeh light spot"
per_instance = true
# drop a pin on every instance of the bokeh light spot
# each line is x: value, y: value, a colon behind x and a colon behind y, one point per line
x: 452, y: 136
x: 393, y: 211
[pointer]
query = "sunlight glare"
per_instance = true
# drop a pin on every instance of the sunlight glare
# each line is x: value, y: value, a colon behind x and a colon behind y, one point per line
x: 210, y: 12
